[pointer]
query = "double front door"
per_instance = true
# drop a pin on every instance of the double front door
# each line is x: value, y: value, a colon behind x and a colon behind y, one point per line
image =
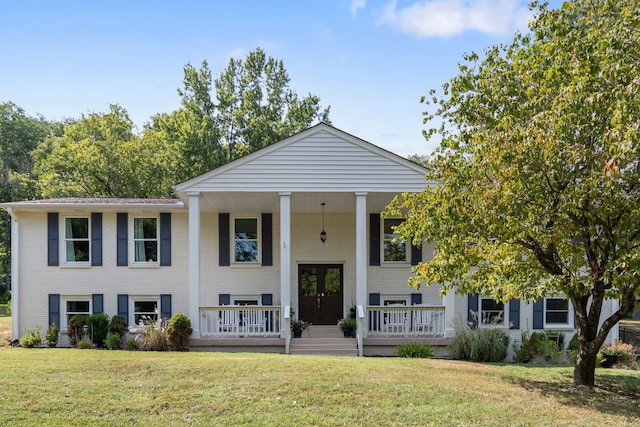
x: 320, y: 293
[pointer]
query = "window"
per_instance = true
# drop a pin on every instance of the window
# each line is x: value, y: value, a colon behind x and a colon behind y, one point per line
x: 145, y: 311
x: 145, y: 239
x: 76, y: 239
x: 75, y: 305
x: 393, y: 251
x: 245, y: 240
x: 394, y: 301
x: 557, y: 311
x: 491, y: 312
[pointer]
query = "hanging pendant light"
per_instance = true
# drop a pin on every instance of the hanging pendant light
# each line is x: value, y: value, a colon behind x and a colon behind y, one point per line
x: 323, y: 234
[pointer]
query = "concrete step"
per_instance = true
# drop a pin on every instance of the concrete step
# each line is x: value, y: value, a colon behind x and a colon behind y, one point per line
x: 324, y: 340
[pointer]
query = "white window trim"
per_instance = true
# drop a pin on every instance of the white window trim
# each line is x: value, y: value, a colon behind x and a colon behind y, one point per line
x: 232, y: 236
x: 407, y: 246
x: 145, y: 298
x: 385, y: 298
x: 505, y: 315
x: 570, y: 315
x: 258, y: 299
x: 132, y: 245
x: 63, y: 243
x: 64, y: 314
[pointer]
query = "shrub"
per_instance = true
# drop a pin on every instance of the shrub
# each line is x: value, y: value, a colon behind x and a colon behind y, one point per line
x: 31, y: 338
x: 625, y: 353
x: 98, y: 326
x: 113, y: 341
x: 415, y: 349
x: 480, y: 345
x: 178, y: 332
x: 52, y: 336
x: 573, y: 344
x: 118, y: 326
x: 153, y: 339
x: 75, y: 328
x: 85, y: 344
x: 131, y: 344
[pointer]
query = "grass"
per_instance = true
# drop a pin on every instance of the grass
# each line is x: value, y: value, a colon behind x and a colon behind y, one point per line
x: 5, y: 326
x: 100, y: 387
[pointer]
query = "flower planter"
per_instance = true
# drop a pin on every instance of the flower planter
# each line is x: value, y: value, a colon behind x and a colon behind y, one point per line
x: 348, y: 333
x: 609, y: 360
x: 297, y: 334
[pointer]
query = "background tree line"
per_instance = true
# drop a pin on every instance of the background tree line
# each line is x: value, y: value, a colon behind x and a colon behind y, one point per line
x: 249, y: 106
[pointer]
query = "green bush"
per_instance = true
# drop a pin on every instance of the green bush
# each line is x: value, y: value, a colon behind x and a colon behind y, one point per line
x: 113, y: 341
x: 131, y: 344
x: 75, y: 328
x: 415, y: 349
x: 178, y: 332
x: 85, y: 344
x: 118, y: 326
x: 52, y: 336
x: 98, y: 326
x: 31, y: 338
x: 573, y: 344
x: 480, y: 345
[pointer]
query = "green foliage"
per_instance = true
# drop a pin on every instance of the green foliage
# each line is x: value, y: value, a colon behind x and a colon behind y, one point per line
x: 85, y: 344
x: 480, y: 344
x: 347, y: 324
x: 624, y: 353
x: 75, y: 328
x: 534, y: 185
x: 52, y: 336
x: 131, y: 344
x: 31, y: 338
x: 118, y: 326
x: 178, y: 332
x: 98, y: 326
x: 113, y: 341
x: 545, y: 346
x: 414, y: 349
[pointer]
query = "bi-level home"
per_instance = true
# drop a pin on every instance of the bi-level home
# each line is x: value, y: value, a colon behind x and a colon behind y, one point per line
x: 292, y: 229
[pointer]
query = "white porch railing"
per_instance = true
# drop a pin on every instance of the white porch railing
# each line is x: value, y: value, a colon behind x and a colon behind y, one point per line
x: 240, y: 321
x: 414, y: 320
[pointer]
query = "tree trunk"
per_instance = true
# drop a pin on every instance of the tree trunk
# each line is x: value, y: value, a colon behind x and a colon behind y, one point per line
x: 584, y: 371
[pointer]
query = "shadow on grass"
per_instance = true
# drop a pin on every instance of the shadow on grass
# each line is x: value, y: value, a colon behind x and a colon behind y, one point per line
x: 616, y: 392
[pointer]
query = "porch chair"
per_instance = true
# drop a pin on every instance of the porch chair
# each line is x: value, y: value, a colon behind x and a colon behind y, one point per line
x: 253, y: 322
x: 423, y: 322
x: 396, y: 320
x: 229, y: 321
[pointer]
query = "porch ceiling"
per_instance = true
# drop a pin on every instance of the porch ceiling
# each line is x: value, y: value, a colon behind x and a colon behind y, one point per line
x: 300, y: 202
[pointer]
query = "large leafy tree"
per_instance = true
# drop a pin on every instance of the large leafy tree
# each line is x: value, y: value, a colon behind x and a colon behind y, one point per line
x: 538, y: 170
x: 249, y: 106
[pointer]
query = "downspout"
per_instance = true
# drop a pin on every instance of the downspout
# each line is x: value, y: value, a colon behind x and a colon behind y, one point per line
x: 15, y: 276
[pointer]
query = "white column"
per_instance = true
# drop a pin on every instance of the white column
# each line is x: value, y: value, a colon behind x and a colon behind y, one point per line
x: 361, y: 258
x: 285, y: 261
x: 194, y: 262
x: 15, y: 276
x: 449, y: 301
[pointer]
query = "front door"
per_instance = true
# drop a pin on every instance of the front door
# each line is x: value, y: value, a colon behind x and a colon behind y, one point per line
x: 320, y: 293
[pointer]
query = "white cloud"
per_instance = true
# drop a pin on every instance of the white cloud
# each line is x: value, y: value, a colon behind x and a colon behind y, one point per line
x: 445, y: 18
x: 356, y: 5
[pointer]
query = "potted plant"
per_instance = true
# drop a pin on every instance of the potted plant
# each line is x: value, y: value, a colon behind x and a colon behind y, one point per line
x: 617, y: 353
x: 297, y: 326
x: 348, y: 326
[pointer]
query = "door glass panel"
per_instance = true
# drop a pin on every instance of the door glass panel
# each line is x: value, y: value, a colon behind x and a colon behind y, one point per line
x: 309, y: 282
x: 332, y: 282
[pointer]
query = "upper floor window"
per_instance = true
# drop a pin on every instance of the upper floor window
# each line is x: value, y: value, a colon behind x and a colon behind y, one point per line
x: 393, y: 251
x: 557, y: 311
x: 145, y: 239
x: 76, y: 239
x: 245, y: 240
x: 491, y: 312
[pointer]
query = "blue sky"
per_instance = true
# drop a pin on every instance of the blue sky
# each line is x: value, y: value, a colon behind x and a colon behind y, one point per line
x: 371, y: 61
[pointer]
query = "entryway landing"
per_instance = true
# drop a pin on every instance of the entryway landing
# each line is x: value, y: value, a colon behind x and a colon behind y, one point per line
x: 321, y: 340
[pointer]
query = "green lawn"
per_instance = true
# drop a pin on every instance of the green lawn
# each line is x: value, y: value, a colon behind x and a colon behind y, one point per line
x: 5, y: 326
x: 100, y: 387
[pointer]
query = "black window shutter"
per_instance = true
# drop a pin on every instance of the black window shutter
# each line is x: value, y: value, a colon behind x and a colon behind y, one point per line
x: 374, y: 239
x: 165, y: 239
x: 267, y: 299
x: 52, y: 239
x: 97, y: 301
x: 54, y: 310
x: 267, y: 240
x: 374, y: 316
x: 165, y: 306
x: 514, y: 313
x: 96, y: 239
x: 538, y: 314
x: 416, y: 255
x: 122, y: 239
x: 123, y: 307
x: 472, y: 307
x: 224, y: 252
x: 416, y: 298
x: 224, y: 299
x: 374, y: 298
